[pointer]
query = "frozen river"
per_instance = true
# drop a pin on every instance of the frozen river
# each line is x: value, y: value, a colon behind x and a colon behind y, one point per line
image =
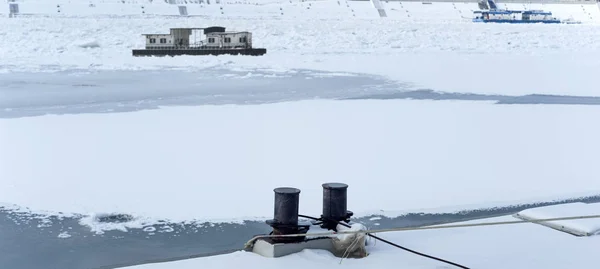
x: 71, y: 92
x: 29, y: 242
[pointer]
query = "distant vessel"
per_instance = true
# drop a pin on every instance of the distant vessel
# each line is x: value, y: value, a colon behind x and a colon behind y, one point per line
x: 199, y: 41
x: 491, y: 13
x: 514, y: 16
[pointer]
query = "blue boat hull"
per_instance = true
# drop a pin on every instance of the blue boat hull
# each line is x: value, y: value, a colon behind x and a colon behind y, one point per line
x: 516, y: 21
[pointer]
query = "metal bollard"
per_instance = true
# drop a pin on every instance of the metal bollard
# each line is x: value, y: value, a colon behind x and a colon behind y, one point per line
x: 335, y: 202
x: 287, y: 202
x: 285, y: 219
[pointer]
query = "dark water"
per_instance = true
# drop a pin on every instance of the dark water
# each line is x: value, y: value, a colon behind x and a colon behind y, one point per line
x: 530, y: 99
x: 23, y: 236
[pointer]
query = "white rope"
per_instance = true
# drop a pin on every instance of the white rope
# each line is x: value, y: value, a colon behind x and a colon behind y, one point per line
x: 347, y: 251
x: 402, y: 229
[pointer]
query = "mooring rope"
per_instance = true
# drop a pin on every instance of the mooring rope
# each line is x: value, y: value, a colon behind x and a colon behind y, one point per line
x: 396, y: 245
x: 403, y: 229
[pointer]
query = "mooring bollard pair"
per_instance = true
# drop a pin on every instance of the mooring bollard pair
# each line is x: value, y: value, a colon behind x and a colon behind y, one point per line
x: 287, y: 201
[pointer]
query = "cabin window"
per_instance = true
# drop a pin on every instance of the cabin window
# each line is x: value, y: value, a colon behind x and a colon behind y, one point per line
x: 242, y: 39
x: 152, y: 40
x: 163, y: 40
x: 211, y: 40
x: 227, y: 40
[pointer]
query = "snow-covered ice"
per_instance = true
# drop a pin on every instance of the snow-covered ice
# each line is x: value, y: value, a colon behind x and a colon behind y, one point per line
x: 114, y: 221
x: 88, y: 44
x: 222, y: 162
x: 442, y: 53
x: 64, y: 235
x: 577, y: 226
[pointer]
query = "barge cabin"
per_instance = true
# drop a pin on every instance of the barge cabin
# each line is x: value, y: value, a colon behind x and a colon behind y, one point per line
x: 199, y: 41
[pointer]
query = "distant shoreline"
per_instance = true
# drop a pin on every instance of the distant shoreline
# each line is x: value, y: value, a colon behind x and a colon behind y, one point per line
x: 502, y: 1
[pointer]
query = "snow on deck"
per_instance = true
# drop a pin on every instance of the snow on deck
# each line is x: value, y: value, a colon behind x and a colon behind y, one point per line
x: 521, y: 246
x: 582, y: 227
x: 222, y: 162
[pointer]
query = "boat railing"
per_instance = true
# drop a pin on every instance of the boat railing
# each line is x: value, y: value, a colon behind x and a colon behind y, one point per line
x: 180, y: 47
